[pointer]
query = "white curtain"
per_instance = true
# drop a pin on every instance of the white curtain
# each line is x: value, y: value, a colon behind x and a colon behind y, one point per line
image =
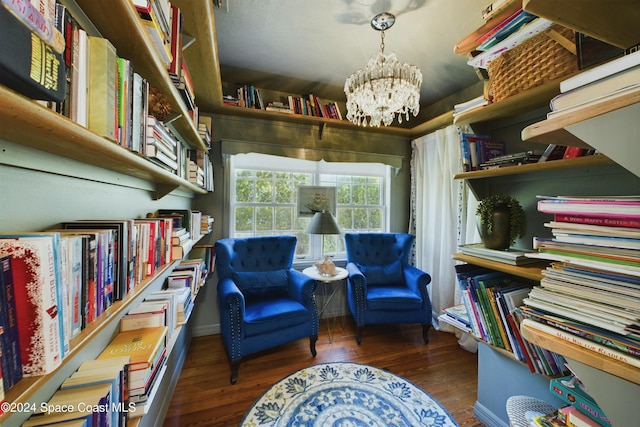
x: 440, y: 217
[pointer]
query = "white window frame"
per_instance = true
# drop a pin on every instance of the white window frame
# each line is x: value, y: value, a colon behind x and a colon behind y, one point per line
x: 316, y: 168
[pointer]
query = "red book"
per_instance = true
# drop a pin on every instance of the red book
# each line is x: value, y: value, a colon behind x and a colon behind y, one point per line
x: 572, y: 152
x: 611, y: 222
x: 37, y: 288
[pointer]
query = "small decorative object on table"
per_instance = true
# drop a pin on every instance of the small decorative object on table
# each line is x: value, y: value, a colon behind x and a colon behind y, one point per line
x: 326, y: 267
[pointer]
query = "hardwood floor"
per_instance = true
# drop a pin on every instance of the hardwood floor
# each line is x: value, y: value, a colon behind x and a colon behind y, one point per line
x: 204, y: 396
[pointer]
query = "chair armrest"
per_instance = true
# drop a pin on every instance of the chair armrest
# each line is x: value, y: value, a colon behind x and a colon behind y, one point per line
x: 417, y: 280
x: 301, y: 287
x: 229, y: 294
x: 356, y: 277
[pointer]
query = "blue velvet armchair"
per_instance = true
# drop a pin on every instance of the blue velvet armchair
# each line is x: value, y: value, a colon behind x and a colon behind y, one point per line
x: 382, y: 286
x: 263, y: 301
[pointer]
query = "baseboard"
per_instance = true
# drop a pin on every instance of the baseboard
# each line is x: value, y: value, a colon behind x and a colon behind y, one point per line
x: 486, y: 417
x: 199, y: 331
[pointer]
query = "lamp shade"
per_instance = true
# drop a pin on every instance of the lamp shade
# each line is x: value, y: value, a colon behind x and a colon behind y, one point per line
x: 323, y: 223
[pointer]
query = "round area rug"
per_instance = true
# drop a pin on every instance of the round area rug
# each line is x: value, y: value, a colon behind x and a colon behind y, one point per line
x: 345, y: 395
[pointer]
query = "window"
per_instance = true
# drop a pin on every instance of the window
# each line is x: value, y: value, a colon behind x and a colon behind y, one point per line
x: 264, y: 191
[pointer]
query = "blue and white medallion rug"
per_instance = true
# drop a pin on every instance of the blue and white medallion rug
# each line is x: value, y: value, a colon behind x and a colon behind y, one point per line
x: 345, y: 395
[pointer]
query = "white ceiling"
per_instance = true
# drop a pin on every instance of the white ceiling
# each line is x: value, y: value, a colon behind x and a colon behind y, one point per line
x: 312, y: 46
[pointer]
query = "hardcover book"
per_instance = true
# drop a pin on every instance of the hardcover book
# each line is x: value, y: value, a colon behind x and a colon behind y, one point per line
x: 28, y: 65
x: 36, y: 277
x: 102, y: 88
x: 141, y: 345
x: 571, y: 391
x: 9, y: 337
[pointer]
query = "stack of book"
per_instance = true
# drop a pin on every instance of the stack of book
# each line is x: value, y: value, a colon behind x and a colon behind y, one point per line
x: 161, y: 146
x: 513, y: 159
x: 478, y: 149
x: 512, y: 256
x: 591, y: 295
x: 96, y: 394
x: 492, y: 300
x: 456, y: 316
x: 470, y: 105
x: 609, y: 81
x: 146, y: 348
x: 583, y: 409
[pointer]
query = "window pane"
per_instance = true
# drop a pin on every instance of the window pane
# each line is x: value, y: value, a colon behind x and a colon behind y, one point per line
x: 244, y: 218
x: 359, y: 194
x: 360, y: 220
x: 284, y: 192
x: 264, y: 191
x: 264, y: 218
x: 284, y: 218
x: 244, y: 190
x: 375, y: 219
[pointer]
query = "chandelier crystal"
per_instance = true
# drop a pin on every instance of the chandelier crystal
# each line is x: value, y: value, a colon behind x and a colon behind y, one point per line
x: 385, y: 87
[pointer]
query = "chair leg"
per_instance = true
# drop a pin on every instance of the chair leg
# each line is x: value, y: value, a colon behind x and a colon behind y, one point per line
x: 234, y: 370
x: 359, y: 329
x: 312, y: 344
x: 425, y: 332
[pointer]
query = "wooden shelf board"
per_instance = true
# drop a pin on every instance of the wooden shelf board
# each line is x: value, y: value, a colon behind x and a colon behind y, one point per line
x: 28, y: 123
x: 529, y: 271
x: 615, y: 24
x: 438, y: 122
x: 552, y: 130
x: 28, y: 386
x: 581, y: 354
x: 232, y: 110
x: 577, y: 162
x: 512, y: 106
x: 132, y: 42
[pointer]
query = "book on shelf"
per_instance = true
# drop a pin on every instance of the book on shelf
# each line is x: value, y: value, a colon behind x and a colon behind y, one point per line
x: 611, y: 222
x: 38, y: 295
x: 457, y: 317
x: 613, y: 252
x: 495, y: 7
x: 604, y: 206
x: 608, y: 97
x: 524, y: 33
x: 514, y: 24
x: 597, y: 89
x: 592, y: 313
x: 102, y: 91
x: 31, y: 16
x: 602, y: 71
x: 573, y: 152
x: 599, y: 336
x: 512, y: 256
x: 116, y: 374
x: 495, y: 18
x: 552, y: 152
x: 11, y: 366
x: 141, y: 345
x: 145, y: 315
x: 572, y: 391
x: 601, y: 235
x: 477, y: 149
x: 28, y: 65
x: 513, y: 159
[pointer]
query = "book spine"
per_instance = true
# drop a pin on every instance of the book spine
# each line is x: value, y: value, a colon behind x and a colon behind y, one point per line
x: 36, y: 21
x: 591, y: 220
x: 584, y: 343
x: 103, y: 83
x: 11, y: 359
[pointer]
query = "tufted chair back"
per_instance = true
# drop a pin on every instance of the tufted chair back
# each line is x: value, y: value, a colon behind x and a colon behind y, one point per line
x: 378, y: 248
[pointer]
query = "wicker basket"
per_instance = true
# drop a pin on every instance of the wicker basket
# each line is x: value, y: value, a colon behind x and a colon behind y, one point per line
x: 543, y: 58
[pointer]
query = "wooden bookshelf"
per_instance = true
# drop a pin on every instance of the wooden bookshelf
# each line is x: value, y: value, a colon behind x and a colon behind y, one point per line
x: 578, y: 162
x: 132, y: 42
x: 583, y: 355
x: 528, y: 271
x: 616, y: 24
x: 28, y: 123
x: 609, y: 126
x: 39, y: 389
x: 512, y: 106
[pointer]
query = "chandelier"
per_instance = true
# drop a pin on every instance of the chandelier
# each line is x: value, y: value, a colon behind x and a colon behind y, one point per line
x: 384, y: 87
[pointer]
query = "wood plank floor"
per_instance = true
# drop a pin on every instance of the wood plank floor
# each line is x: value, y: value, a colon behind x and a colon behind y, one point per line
x: 204, y: 396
